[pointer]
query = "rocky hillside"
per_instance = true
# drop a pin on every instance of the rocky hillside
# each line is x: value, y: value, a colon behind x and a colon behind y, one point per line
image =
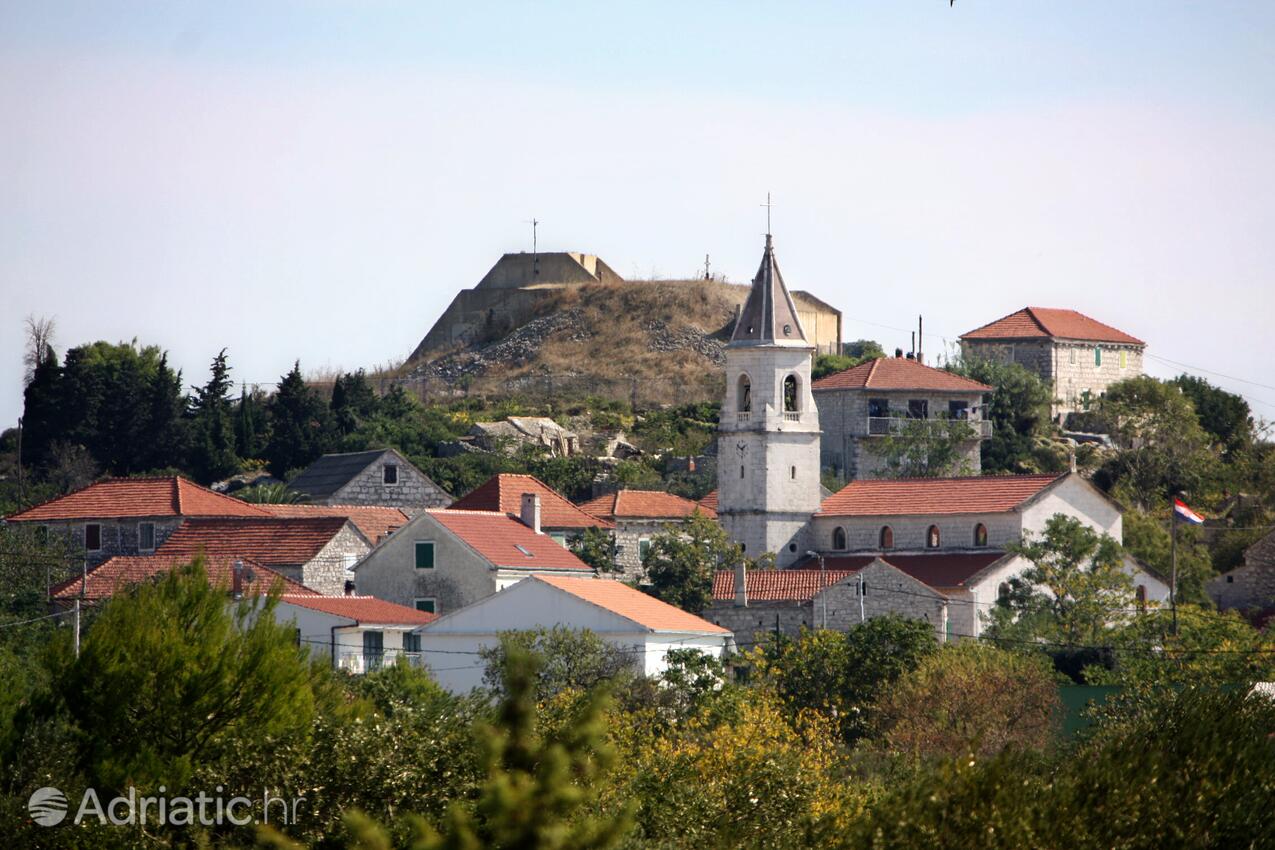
x: 650, y: 341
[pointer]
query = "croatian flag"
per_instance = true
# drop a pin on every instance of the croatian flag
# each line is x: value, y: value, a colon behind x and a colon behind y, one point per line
x: 1182, y: 512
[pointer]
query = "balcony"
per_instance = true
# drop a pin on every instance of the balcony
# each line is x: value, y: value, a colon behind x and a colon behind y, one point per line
x: 792, y: 417
x: 360, y: 663
x: 880, y: 426
x: 743, y: 416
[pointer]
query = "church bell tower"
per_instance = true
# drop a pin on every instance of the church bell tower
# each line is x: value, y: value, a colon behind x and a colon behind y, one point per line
x: 768, y: 437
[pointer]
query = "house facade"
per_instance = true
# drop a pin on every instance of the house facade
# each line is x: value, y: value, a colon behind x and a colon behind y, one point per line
x: 1078, y: 356
x: 379, y: 477
x: 444, y: 560
x: 357, y: 634
x: 1251, y: 586
x: 639, y: 625
x: 639, y: 516
x: 858, y: 407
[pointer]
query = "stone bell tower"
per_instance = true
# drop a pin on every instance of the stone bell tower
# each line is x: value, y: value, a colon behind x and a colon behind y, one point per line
x: 768, y: 437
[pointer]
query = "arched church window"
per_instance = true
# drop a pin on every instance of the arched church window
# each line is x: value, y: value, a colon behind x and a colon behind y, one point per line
x: 980, y: 535
x: 932, y: 538
x: 790, y: 394
x: 839, y: 538
x: 887, y: 537
x: 744, y: 398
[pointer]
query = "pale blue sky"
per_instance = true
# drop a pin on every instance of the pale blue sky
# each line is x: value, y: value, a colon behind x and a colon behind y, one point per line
x: 317, y: 179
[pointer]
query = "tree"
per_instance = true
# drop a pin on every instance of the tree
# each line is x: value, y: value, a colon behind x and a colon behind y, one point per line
x: 970, y: 698
x: 40, y: 331
x: 1019, y: 409
x: 164, y: 435
x: 1073, y: 592
x: 566, y: 659
x: 270, y: 494
x: 41, y: 417
x: 213, y: 453
x: 250, y: 423
x: 171, y: 678
x: 1147, y: 537
x: 1226, y: 416
x: 353, y: 402
x: 298, y: 425
x: 682, y: 559
x: 927, y: 448
x: 596, y: 548
x: 852, y: 354
x: 844, y: 674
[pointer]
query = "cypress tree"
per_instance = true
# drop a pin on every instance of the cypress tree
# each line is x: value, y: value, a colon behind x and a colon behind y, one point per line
x: 213, y: 456
x: 298, y: 425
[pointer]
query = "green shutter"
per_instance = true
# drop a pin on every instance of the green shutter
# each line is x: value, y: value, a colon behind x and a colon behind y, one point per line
x: 424, y: 554
x: 1097, y: 356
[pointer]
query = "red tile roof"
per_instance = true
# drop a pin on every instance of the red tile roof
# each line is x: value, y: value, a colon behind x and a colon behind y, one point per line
x: 376, y: 522
x: 980, y: 494
x: 1051, y: 323
x: 710, y: 502
x: 634, y: 605
x: 645, y: 504
x: 362, y: 609
x: 795, y: 585
x: 940, y: 570
x: 897, y: 373
x: 506, y: 542
x: 139, y: 497
x: 503, y: 493
x: 119, y: 572
x: 274, y: 541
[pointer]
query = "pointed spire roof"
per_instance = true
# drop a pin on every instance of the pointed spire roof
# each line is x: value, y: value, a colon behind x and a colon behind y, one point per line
x: 769, y: 316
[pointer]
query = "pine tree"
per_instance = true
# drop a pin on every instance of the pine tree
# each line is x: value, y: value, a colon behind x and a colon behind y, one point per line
x: 213, y: 453
x: 298, y: 425
x: 353, y: 402
x: 164, y: 442
x: 250, y: 437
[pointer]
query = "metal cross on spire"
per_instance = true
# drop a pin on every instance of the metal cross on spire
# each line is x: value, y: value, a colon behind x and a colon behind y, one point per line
x: 767, y: 205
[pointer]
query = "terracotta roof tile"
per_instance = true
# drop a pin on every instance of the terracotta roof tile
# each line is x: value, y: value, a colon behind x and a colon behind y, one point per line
x: 634, y: 605
x: 273, y: 541
x: 794, y: 585
x: 506, y: 542
x: 139, y: 497
x: 1051, y: 323
x: 898, y: 373
x: 921, y: 496
x: 119, y: 572
x: 939, y: 570
x: 375, y: 521
x: 710, y: 502
x: 362, y: 609
x: 645, y: 504
x: 503, y: 493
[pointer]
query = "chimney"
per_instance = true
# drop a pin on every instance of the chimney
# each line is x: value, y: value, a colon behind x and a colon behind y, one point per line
x: 741, y: 585
x: 1071, y: 450
x: 349, y: 588
x: 531, y: 511
x: 898, y: 353
x: 236, y: 580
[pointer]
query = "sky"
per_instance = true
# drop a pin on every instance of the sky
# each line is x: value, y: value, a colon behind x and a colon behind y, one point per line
x: 315, y: 180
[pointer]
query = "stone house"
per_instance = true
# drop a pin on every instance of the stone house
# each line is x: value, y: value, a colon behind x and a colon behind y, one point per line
x: 640, y: 626
x: 358, y: 634
x: 1251, y: 586
x: 861, y: 405
x: 1078, y: 356
x: 443, y: 560
x: 639, y: 515
x: 378, y: 477
x: 129, y: 516
x: 318, y: 552
x: 786, y: 601
x: 503, y: 493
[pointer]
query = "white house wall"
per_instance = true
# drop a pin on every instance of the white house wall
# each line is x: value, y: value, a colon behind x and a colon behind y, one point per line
x: 1075, y: 498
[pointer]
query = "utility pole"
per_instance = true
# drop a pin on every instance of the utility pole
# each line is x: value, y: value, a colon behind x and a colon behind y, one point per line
x: 1173, y: 574
x: 77, y: 628
x: 862, y: 617
x: 535, y: 247
x: 22, y: 502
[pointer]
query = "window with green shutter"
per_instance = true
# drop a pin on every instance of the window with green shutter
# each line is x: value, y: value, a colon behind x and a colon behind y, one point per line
x: 424, y: 554
x: 1097, y: 356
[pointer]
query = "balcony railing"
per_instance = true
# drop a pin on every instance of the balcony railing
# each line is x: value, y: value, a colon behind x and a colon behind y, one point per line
x: 360, y: 663
x: 792, y: 417
x: 879, y: 426
x: 743, y: 416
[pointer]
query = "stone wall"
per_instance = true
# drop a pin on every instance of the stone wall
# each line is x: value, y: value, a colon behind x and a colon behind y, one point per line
x: 119, y: 536
x: 328, y: 571
x: 460, y: 576
x: 956, y: 532
x: 628, y: 536
x: 1249, y: 586
x: 1071, y: 368
x: 413, y: 492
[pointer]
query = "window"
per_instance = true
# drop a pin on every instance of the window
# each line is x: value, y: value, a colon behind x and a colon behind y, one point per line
x: 958, y: 410
x: 644, y: 546
x: 1071, y: 355
x: 1097, y: 355
x: 793, y: 473
x: 790, y: 394
x: 918, y: 408
x: 428, y: 605
x: 41, y: 534
x: 93, y: 537
x: 932, y: 538
x: 878, y: 408
x: 373, y: 650
x: 389, y: 473
x: 424, y: 554
x: 411, y: 642
x: 744, y: 395
x: 839, y: 538
x: 741, y: 470
x: 887, y: 537
x: 146, y: 536
x: 524, y: 550
x: 980, y: 535
x: 1124, y: 359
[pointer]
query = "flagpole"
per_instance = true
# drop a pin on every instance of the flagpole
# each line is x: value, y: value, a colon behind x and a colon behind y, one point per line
x: 1173, y: 576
